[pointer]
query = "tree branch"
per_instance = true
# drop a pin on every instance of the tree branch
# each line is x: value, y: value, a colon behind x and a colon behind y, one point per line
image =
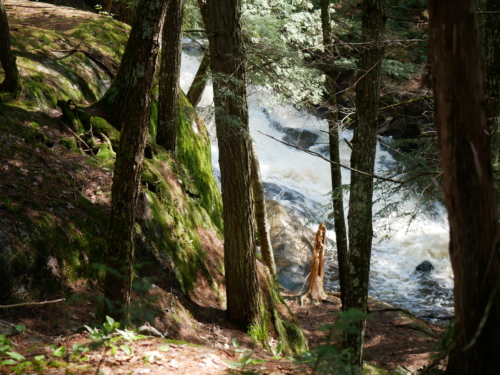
x: 31, y: 303
x: 341, y: 165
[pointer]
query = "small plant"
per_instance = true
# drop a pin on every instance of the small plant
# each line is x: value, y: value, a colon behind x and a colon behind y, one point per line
x: 245, y: 357
x: 329, y: 358
x: 102, y: 12
x: 9, y: 357
x: 110, y: 334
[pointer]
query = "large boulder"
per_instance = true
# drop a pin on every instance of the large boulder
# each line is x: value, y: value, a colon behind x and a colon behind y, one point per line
x: 292, y: 244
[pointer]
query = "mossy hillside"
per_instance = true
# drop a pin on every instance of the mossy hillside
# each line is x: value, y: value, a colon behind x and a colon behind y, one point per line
x: 53, y: 61
x: 50, y: 232
x: 194, y: 155
x: 169, y: 225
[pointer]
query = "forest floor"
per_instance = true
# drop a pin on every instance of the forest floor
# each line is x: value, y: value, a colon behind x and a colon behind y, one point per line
x: 391, y: 341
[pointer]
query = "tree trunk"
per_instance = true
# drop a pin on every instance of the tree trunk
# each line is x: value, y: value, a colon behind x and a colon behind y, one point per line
x: 266, y: 248
x: 170, y: 73
x: 200, y: 80
x: 143, y: 46
x: 333, y: 131
x: 492, y: 65
x: 11, y: 84
x: 460, y: 117
x: 363, y: 159
x: 235, y: 150
x: 128, y: 78
x: 315, y: 289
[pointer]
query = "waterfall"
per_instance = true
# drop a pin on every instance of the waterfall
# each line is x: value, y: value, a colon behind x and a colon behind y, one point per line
x: 303, y: 182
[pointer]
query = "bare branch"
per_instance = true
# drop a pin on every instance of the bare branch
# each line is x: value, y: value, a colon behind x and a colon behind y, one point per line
x: 31, y: 303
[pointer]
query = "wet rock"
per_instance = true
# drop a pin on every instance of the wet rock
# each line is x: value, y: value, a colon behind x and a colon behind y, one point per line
x: 292, y: 245
x: 425, y: 267
x: 304, y: 138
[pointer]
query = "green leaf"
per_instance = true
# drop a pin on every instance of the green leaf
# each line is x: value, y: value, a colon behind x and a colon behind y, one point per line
x: 59, y: 351
x: 164, y: 348
x: 15, y: 355
x: 21, y: 328
x: 4, y: 348
x: 236, y: 344
x: 85, y: 358
x: 113, y: 350
x: 8, y: 362
x: 110, y: 320
x: 39, y: 357
x: 127, y: 349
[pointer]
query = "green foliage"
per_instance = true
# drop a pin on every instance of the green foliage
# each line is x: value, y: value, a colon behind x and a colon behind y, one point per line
x: 329, y: 358
x: 109, y: 335
x: 10, y: 357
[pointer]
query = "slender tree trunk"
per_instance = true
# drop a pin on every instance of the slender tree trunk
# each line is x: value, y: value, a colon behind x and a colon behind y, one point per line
x: 492, y: 65
x: 200, y: 80
x: 235, y: 158
x: 261, y: 218
x: 363, y: 159
x: 11, y: 84
x: 460, y: 117
x: 143, y: 45
x: 333, y: 131
x: 170, y: 73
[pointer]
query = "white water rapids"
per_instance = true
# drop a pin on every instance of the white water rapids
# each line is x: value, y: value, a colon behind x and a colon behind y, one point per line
x: 304, y: 181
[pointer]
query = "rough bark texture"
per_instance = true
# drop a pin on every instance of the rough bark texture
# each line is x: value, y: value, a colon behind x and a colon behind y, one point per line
x: 333, y: 130
x: 315, y: 289
x: 11, y: 83
x: 363, y: 159
x: 170, y: 73
x: 235, y: 150
x: 492, y: 65
x: 200, y: 80
x: 143, y: 45
x: 467, y: 182
x: 128, y: 79
x: 266, y: 248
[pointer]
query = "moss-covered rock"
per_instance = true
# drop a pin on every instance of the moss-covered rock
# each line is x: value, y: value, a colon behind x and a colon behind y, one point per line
x: 370, y: 369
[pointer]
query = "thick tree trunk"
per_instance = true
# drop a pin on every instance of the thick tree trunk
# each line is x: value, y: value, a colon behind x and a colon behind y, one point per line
x: 333, y: 130
x: 363, y: 159
x: 492, y: 65
x: 143, y: 45
x: 200, y: 80
x: 266, y: 248
x: 235, y: 158
x: 128, y: 78
x: 170, y: 72
x: 467, y: 182
x: 11, y: 83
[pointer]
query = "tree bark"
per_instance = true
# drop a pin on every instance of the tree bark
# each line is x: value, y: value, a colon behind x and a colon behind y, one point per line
x: 200, y: 80
x: 363, y: 159
x: 333, y: 131
x: 235, y: 150
x: 128, y: 79
x: 11, y: 83
x: 315, y: 289
x: 143, y: 46
x: 460, y: 117
x: 266, y: 248
x: 170, y: 73
x: 492, y: 65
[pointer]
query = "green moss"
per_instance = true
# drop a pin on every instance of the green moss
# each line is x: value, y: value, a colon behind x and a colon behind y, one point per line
x: 106, y: 156
x: 369, y: 369
x: 194, y: 153
x: 70, y: 144
x: 100, y: 125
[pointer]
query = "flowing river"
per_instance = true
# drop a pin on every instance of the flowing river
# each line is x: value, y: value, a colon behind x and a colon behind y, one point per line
x: 303, y: 182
